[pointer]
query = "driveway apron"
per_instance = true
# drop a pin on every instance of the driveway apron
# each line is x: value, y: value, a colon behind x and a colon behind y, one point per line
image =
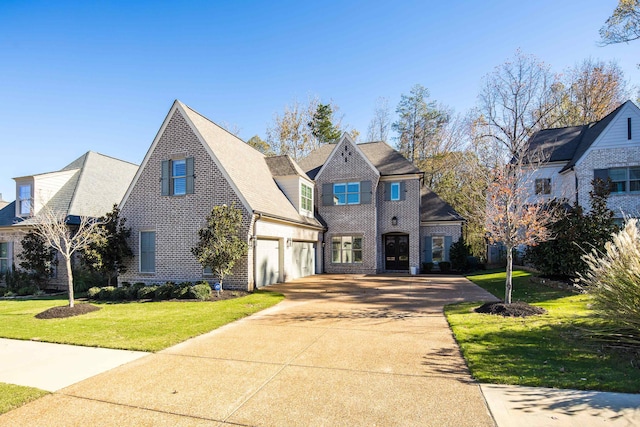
x: 340, y: 350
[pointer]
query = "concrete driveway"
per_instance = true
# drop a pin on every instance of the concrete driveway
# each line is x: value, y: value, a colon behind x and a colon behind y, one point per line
x: 340, y: 350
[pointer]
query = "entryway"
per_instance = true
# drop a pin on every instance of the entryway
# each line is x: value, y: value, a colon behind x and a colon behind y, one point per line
x: 396, y: 251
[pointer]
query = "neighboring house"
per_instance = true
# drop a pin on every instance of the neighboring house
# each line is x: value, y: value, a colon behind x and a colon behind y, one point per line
x: 194, y: 165
x: 378, y: 217
x: 345, y: 208
x: 574, y: 156
x: 89, y: 186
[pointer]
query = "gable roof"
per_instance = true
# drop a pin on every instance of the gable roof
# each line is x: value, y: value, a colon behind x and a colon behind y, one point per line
x: 570, y: 143
x: 433, y: 208
x: 95, y: 183
x: 244, y: 167
x: 383, y: 157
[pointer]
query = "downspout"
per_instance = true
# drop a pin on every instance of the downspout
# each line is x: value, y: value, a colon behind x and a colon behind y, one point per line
x: 575, y: 176
x: 256, y: 217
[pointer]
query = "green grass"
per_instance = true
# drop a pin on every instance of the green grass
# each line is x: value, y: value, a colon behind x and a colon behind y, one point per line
x: 148, y: 326
x: 551, y: 350
x: 13, y: 396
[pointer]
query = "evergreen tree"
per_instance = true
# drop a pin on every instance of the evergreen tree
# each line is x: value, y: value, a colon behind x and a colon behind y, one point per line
x: 37, y: 259
x: 321, y: 125
x: 219, y: 245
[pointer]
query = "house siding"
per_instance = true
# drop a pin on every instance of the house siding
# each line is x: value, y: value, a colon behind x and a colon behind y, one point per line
x: 177, y: 219
x: 621, y: 204
x: 360, y: 220
x: 407, y: 212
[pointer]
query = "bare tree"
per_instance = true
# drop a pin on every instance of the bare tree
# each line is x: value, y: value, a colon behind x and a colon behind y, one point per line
x: 515, y: 101
x: 589, y: 91
x: 381, y: 122
x: 511, y: 217
x: 54, y: 228
x: 623, y: 25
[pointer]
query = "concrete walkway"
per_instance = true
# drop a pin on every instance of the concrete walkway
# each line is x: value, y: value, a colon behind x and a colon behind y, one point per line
x: 340, y: 350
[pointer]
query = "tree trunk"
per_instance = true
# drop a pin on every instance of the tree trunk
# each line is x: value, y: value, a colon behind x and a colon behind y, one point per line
x: 69, y: 280
x: 508, y: 283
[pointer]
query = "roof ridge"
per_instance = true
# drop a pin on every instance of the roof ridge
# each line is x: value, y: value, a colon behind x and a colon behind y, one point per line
x: 75, y: 188
x: 211, y: 121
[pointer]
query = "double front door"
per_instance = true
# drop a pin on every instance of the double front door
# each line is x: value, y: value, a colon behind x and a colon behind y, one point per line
x: 396, y: 251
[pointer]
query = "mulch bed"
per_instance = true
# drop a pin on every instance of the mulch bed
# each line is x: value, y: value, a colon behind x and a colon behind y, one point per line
x: 66, y: 311
x: 516, y: 309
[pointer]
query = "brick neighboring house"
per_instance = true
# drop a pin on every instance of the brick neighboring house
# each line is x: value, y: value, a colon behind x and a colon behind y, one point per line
x: 88, y: 186
x: 379, y: 218
x: 574, y: 156
x: 356, y: 209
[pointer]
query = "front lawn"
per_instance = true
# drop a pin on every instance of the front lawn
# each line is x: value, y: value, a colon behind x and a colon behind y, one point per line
x: 148, y: 326
x: 550, y: 350
x: 13, y: 396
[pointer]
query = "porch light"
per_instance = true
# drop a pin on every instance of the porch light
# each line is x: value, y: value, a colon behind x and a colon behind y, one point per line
x: 289, y: 242
x: 394, y: 221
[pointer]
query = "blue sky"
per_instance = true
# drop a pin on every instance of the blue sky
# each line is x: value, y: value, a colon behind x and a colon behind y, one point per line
x: 101, y: 76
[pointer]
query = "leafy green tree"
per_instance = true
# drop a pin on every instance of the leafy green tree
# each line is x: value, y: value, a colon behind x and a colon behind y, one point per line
x: 321, y: 125
x: 109, y: 249
x: 219, y: 245
x: 37, y: 259
x: 260, y: 145
x: 574, y: 235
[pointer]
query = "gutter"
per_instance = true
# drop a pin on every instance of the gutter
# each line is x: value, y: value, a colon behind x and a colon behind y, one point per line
x: 287, y: 220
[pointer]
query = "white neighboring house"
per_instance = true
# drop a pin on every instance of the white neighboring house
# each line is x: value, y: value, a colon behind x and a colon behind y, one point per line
x: 608, y: 148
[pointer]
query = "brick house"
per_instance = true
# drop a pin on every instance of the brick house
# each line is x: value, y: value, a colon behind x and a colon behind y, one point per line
x: 574, y: 156
x: 346, y: 208
x: 379, y: 217
x: 89, y: 186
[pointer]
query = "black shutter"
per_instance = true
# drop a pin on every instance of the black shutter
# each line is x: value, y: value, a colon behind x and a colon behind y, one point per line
x: 190, y: 175
x: 403, y: 190
x: 164, y: 177
x: 365, y: 192
x: 327, y: 194
x: 387, y: 191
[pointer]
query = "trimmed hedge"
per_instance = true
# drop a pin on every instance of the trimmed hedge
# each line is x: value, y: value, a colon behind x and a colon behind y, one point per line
x: 139, y: 291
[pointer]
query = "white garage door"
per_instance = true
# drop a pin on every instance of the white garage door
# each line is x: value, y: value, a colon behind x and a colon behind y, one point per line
x: 303, y: 259
x: 267, y: 262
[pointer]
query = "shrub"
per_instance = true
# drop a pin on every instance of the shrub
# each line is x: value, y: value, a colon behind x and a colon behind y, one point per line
x: 427, y: 267
x: 164, y: 291
x: 445, y: 266
x: 27, y: 290
x: 92, y: 293
x: 202, y: 291
x: 459, y: 254
x: 147, y: 292
x: 83, y: 279
x: 612, y: 279
x: 132, y: 290
x: 106, y: 293
x: 182, y: 291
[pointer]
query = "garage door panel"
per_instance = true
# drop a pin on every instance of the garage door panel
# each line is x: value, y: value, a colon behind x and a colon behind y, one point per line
x: 267, y: 262
x: 303, y: 259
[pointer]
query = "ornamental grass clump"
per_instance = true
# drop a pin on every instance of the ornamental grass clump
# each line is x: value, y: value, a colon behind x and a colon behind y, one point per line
x: 613, y: 281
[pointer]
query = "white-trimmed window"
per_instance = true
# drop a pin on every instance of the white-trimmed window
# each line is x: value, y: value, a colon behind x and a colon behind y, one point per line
x: 306, y: 198
x: 346, y: 249
x: 25, y: 200
x: 4, y: 257
x: 147, y: 251
x: 543, y: 186
x: 625, y: 180
x: 346, y: 193
x: 395, y: 191
x: 179, y: 177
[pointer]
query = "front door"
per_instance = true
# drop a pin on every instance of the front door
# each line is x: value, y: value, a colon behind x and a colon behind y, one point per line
x: 396, y: 252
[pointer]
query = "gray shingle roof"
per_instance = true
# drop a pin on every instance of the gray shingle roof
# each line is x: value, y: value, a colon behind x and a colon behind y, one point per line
x: 8, y: 215
x: 387, y: 160
x: 284, y: 166
x: 433, y: 208
x: 569, y: 143
x: 247, y: 169
x: 97, y: 182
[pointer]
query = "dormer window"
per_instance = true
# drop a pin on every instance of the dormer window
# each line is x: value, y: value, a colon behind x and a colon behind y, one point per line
x: 306, y: 198
x: 24, y: 200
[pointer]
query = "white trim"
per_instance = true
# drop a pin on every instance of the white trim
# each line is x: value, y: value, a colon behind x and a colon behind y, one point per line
x: 347, y: 138
x: 405, y: 177
x: 594, y: 145
x: 440, y: 223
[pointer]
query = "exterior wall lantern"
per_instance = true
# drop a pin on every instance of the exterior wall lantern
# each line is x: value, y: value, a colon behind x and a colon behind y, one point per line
x: 394, y: 221
x: 289, y: 242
